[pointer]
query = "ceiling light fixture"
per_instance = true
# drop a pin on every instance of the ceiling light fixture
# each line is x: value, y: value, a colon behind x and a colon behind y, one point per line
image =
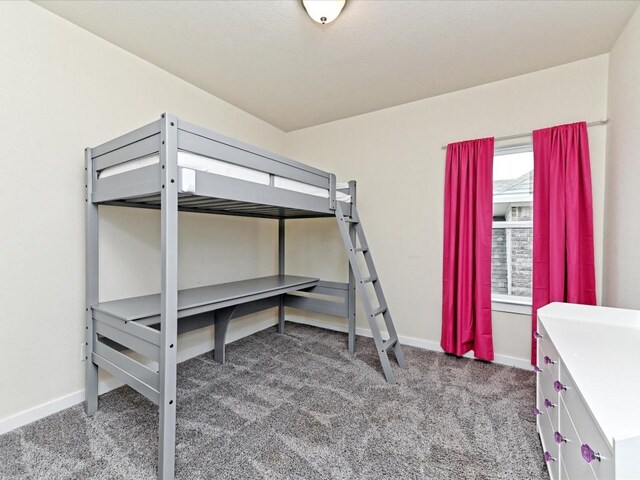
x: 323, y: 11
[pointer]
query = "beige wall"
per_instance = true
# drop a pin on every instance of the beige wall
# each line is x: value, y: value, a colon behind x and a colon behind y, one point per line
x: 396, y: 156
x: 622, y: 239
x: 61, y: 89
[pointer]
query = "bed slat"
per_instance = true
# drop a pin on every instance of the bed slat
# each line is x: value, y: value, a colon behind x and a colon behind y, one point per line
x: 120, y: 360
x: 145, y: 333
x: 131, y: 137
x: 134, y: 343
x: 127, y: 378
x: 211, y: 185
x: 139, y: 182
x: 143, y: 148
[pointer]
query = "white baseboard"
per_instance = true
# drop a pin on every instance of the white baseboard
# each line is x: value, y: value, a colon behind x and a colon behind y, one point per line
x: 62, y: 403
x: 36, y: 413
x: 521, y: 363
x: 56, y: 405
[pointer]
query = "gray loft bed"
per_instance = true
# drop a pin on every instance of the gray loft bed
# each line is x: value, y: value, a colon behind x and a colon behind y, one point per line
x: 174, y: 166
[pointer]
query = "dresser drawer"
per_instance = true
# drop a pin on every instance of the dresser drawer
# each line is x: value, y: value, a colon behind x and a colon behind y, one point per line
x: 548, y: 373
x: 587, y: 429
x: 548, y: 357
x: 548, y: 401
x: 563, y: 472
x: 549, y: 446
x: 545, y: 381
x: 573, y: 463
x: 550, y: 413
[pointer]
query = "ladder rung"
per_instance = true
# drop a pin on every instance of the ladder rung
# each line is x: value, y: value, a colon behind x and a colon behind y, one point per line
x: 351, y: 220
x: 369, y: 279
x: 361, y: 249
x: 389, y: 344
x: 378, y: 311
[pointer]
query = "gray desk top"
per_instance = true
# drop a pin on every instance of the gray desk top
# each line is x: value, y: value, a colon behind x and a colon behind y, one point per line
x: 206, y: 298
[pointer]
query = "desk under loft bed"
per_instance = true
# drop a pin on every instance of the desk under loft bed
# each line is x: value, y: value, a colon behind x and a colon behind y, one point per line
x: 174, y: 166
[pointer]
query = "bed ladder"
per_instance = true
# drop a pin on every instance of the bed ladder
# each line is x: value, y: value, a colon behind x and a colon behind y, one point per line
x: 355, y: 242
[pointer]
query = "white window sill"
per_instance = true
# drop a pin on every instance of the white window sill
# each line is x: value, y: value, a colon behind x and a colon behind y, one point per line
x: 502, y: 303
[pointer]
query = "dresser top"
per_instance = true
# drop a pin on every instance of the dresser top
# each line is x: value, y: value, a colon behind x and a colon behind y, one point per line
x: 600, y: 348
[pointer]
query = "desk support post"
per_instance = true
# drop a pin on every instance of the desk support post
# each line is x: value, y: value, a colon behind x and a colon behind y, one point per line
x: 222, y: 318
x: 169, y: 295
x: 281, y: 239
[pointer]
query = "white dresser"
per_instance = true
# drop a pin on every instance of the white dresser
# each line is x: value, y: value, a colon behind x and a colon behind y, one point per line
x: 588, y: 391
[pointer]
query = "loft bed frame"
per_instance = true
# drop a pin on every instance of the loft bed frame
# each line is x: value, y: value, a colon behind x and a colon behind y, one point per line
x: 173, y: 166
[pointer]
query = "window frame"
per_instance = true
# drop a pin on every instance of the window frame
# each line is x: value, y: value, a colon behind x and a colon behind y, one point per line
x: 512, y: 303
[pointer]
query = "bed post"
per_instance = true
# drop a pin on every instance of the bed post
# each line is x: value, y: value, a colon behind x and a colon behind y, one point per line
x: 92, y: 276
x: 169, y: 295
x: 352, y: 278
x: 281, y: 234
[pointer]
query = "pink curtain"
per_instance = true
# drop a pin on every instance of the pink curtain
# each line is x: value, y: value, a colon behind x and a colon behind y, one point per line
x: 468, y: 216
x: 563, y: 259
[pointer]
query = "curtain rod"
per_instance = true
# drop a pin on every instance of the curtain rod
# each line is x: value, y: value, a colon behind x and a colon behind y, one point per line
x: 604, y: 121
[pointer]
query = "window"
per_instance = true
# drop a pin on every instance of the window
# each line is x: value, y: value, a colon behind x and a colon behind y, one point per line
x: 512, y: 243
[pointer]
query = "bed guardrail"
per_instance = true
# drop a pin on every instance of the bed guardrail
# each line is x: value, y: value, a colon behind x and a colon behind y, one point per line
x: 144, y: 180
x: 106, y: 155
x: 200, y: 141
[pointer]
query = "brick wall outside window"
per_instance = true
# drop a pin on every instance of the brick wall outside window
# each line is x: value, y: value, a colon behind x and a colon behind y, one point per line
x: 520, y: 243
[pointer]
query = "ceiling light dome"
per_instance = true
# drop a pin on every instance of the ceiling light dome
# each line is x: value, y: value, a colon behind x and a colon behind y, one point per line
x: 323, y: 11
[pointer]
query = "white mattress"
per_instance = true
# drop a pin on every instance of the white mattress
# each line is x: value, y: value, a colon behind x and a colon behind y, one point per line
x: 209, y: 165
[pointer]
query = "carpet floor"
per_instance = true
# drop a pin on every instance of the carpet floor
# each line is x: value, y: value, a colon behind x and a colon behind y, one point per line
x: 296, y: 406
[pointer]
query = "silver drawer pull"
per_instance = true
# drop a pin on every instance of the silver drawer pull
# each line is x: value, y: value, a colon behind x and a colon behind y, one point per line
x: 588, y: 454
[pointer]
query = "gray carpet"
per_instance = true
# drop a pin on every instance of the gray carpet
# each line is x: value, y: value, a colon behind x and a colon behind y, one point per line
x: 295, y: 406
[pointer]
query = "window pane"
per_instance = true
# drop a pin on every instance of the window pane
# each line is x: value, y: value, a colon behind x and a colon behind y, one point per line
x: 511, y: 261
x: 511, y: 166
x: 499, y: 277
x: 512, y: 184
x: 512, y: 252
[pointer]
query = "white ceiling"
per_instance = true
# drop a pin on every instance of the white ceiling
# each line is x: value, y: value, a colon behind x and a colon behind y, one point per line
x: 270, y: 59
